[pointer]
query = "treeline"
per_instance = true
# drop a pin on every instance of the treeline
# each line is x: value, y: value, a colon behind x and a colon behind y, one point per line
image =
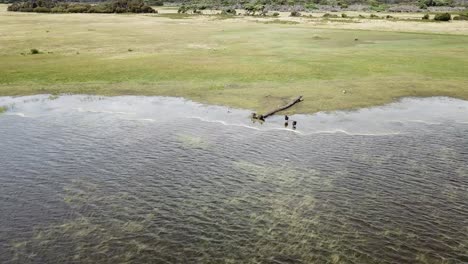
x: 241, y: 3
x: 224, y: 3
x: 53, y: 6
x: 259, y: 7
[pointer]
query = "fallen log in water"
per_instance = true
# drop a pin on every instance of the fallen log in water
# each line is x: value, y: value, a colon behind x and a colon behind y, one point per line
x: 262, y: 117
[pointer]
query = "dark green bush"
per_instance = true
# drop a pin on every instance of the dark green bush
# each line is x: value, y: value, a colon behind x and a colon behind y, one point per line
x: 425, y: 17
x: 253, y: 8
x: 196, y: 9
x: 14, y: 7
x: 295, y: 14
x: 328, y: 15
x: 443, y: 17
x: 374, y: 16
x: 426, y: 3
x: 462, y: 16
x: 154, y: 2
x: 78, y: 8
x: 311, y: 6
x: 35, y: 51
x: 229, y: 11
x: 26, y: 9
x: 42, y: 10
x: 377, y: 6
x: 183, y: 9
x: 99, y: 9
x: 343, y: 5
x: 344, y: 15
x: 275, y: 14
x: 59, y: 9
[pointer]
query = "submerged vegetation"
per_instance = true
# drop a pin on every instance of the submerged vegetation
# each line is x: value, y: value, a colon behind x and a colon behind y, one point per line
x: 113, y: 6
x: 3, y: 109
x: 192, y: 142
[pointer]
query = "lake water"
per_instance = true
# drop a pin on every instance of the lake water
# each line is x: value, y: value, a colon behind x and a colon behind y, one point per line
x: 87, y: 179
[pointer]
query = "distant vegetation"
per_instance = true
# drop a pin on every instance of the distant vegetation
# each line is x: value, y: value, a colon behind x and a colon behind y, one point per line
x: 252, y: 7
x: 51, y: 6
x: 443, y: 17
x: 262, y: 7
x: 427, y: 3
x: 462, y: 16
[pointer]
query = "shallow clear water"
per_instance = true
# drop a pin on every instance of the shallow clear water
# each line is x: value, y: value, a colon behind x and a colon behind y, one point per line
x: 163, y: 180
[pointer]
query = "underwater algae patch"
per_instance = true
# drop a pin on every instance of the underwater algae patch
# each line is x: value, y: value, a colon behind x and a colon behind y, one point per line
x: 273, y: 227
x: 192, y: 142
x: 3, y: 109
x: 292, y: 225
x: 112, y: 233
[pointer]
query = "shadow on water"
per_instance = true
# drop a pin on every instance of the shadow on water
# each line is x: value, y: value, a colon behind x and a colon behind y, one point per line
x: 164, y: 180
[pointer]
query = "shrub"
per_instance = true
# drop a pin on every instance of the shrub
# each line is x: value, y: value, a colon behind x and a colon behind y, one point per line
x: 462, y: 16
x: 154, y: 2
x: 79, y: 8
x: 361, y: 16
x: 374, y: 16
x: 42, y: 10
x: 343, y: 5
x: 328, y: 15
x: 376, y: 6
x: 425, y: 17
x: 26, y: 9
x: 58, y: 9
x: 15, y: 7
x: 389, y: 16
x: 344, y: 15
x: 443, y: 17
x: 100, y: 9
x: 380, y: 8
x: 275, y: 14
x: 295, y: 14
x: 182, y: 9
x: 35, y: 51
x: 253, y: 8
x: 436, y: 3
x: 311, y: 6
x: 229, y: 11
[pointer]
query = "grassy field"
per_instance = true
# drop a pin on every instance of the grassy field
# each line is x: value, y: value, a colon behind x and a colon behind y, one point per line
x: 243, y: 62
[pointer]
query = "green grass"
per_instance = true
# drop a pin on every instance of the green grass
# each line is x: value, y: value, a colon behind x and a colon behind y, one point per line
x: 239, y: 64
